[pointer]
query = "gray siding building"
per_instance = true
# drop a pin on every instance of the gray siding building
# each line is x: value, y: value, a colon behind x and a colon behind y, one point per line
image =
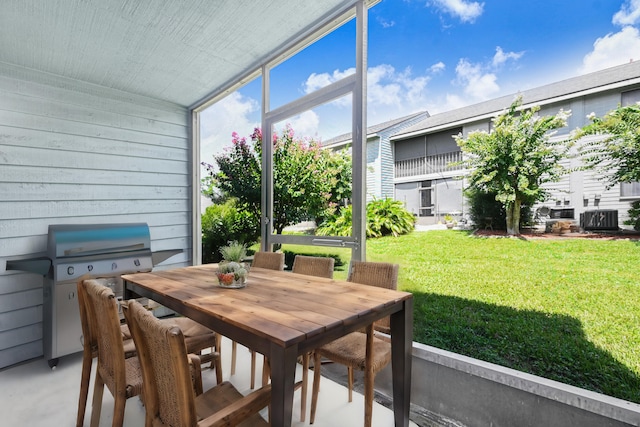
x: 379, y: 153
x: 431, y: 188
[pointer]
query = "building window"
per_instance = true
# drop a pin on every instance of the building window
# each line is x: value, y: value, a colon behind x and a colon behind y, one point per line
x: 426, y: 199
x: 630, y: 189
x: 630, y: 97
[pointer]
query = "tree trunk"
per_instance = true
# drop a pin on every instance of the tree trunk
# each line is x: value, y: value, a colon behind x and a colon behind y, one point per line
x: 513, y: 218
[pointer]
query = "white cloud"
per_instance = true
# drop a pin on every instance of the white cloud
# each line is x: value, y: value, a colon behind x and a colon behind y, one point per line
x: 390, y: 94
x: 613, y: 49
x: 385, y: 85
x: 384, y: 23
x: 501, y: 56
x: 629, y: 13
x: 479, y: 84
x: 437, y: 67
x: 465, y: 10
x: 317, y: 81
x: 219, y: 121
x: 304, y: 125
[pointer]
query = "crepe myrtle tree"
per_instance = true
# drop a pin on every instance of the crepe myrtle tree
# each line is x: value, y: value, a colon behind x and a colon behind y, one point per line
x: 309, y: 182
x: 516, y: 158
x: 616, y: 156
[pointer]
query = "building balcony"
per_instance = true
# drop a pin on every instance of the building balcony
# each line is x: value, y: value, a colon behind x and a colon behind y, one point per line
x: 429, y: 165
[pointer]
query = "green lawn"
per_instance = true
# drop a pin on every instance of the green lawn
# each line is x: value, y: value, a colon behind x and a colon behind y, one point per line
x: 562, y: 309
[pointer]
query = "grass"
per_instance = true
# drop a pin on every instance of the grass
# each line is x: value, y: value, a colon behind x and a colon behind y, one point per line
x: 567, y: 310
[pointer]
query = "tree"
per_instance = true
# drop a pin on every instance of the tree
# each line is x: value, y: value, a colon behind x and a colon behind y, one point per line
x: 516, y: 158
x: 308, y: 180
x: 617, y: 155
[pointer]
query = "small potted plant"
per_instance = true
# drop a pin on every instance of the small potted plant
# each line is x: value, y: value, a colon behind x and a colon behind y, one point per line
x: 449, y: 221
x: 232, y: 271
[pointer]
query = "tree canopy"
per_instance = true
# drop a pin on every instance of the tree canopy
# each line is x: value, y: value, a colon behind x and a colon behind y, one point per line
x: 617, y: 155
x: 516, y: 158
x: 309, y: 182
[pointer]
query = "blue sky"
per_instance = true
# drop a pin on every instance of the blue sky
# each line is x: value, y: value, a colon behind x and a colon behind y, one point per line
x: 438, y: 55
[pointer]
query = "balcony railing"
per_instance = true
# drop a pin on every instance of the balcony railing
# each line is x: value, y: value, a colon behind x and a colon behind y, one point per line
x: 428, y: 165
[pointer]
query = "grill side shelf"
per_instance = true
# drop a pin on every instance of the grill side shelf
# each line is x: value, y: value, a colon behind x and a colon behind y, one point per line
x: 39, y: 265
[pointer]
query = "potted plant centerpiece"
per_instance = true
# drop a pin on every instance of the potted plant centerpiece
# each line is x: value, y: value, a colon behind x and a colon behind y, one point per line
x: 232, y: 271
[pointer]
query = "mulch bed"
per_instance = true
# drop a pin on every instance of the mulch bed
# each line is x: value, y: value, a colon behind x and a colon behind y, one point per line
x: 624, y: 234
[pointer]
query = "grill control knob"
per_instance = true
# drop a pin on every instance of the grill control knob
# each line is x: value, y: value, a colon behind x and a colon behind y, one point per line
x: 70, y: 270
x: 114, y: 266
x: 136, y: 262
x: 90, y: 267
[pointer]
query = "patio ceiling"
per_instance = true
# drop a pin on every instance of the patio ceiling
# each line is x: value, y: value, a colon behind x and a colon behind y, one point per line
x: 184, y: 52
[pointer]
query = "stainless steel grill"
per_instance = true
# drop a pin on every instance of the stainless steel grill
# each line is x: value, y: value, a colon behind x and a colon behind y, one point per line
x: 97, y: 250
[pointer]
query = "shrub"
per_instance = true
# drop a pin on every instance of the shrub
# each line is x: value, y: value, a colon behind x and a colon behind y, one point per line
x: 338, y: 225
x: 289, y: 257
x: 384, y: 217
x: 634, y: 215
x: 388, y: 216
x: 224, y: 223
x: 484, y: 205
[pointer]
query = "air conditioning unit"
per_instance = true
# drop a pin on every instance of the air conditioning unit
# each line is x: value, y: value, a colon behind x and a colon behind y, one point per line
x: 603, y: 219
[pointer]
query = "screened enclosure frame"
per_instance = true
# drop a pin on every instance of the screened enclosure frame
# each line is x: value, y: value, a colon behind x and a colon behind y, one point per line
x: 354, y: 85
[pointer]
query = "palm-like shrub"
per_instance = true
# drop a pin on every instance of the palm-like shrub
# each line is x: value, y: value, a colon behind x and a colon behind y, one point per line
x: 384, y: 217
x: 388, y: 216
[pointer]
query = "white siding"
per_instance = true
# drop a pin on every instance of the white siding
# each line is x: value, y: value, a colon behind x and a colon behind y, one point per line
x: 386, y: 168
x: 373, y: 169
x: 77, y: 153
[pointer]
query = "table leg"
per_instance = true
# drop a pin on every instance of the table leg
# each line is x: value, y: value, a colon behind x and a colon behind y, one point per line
x: 401, y: 354
x: 283, y: 371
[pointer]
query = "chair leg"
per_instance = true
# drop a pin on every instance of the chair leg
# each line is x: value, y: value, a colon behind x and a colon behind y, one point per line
x: 118, y: 411
x: 305, y: 381
x: 87, y: 360
x: 368, y: 378
x: 96, y: 405
x: 317, y: 359
x: 218, y: 363
x: 350, y: 385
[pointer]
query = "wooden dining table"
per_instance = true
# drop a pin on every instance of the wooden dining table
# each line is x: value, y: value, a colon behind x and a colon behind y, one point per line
x: 283, y: 315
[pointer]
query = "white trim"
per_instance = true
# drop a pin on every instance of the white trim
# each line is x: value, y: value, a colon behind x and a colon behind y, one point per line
x: 196, y: 218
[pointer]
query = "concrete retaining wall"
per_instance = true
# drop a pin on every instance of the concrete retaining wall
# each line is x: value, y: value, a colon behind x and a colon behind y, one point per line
x: 477, y: 393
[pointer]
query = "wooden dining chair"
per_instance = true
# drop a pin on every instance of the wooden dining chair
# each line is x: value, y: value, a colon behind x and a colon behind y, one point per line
x: 313, y: 266
x: 270, y: 261
x: 169, y: 396
x: 360, y: 350
x: 198, y: 338
x: 121, y: 375
x: 318, y: 267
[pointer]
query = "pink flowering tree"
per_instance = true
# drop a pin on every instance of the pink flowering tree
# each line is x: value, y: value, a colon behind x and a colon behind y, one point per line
x: 309, y: 182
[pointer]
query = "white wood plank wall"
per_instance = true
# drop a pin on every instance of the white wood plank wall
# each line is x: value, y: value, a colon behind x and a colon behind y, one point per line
x: 77, y: 153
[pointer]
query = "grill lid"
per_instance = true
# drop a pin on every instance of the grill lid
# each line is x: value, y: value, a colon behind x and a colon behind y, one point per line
x: 78, y: 240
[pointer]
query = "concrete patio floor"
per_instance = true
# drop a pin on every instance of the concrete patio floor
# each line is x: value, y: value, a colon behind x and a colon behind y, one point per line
x: 32, y: 394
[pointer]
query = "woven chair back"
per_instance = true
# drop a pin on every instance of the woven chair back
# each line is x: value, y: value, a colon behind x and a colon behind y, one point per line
x: 168, y: 395
x: 103, y: 315
x: 313, y: 266
x: 380, y: 274
x: 87, y: 320
x: 269, y: 260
